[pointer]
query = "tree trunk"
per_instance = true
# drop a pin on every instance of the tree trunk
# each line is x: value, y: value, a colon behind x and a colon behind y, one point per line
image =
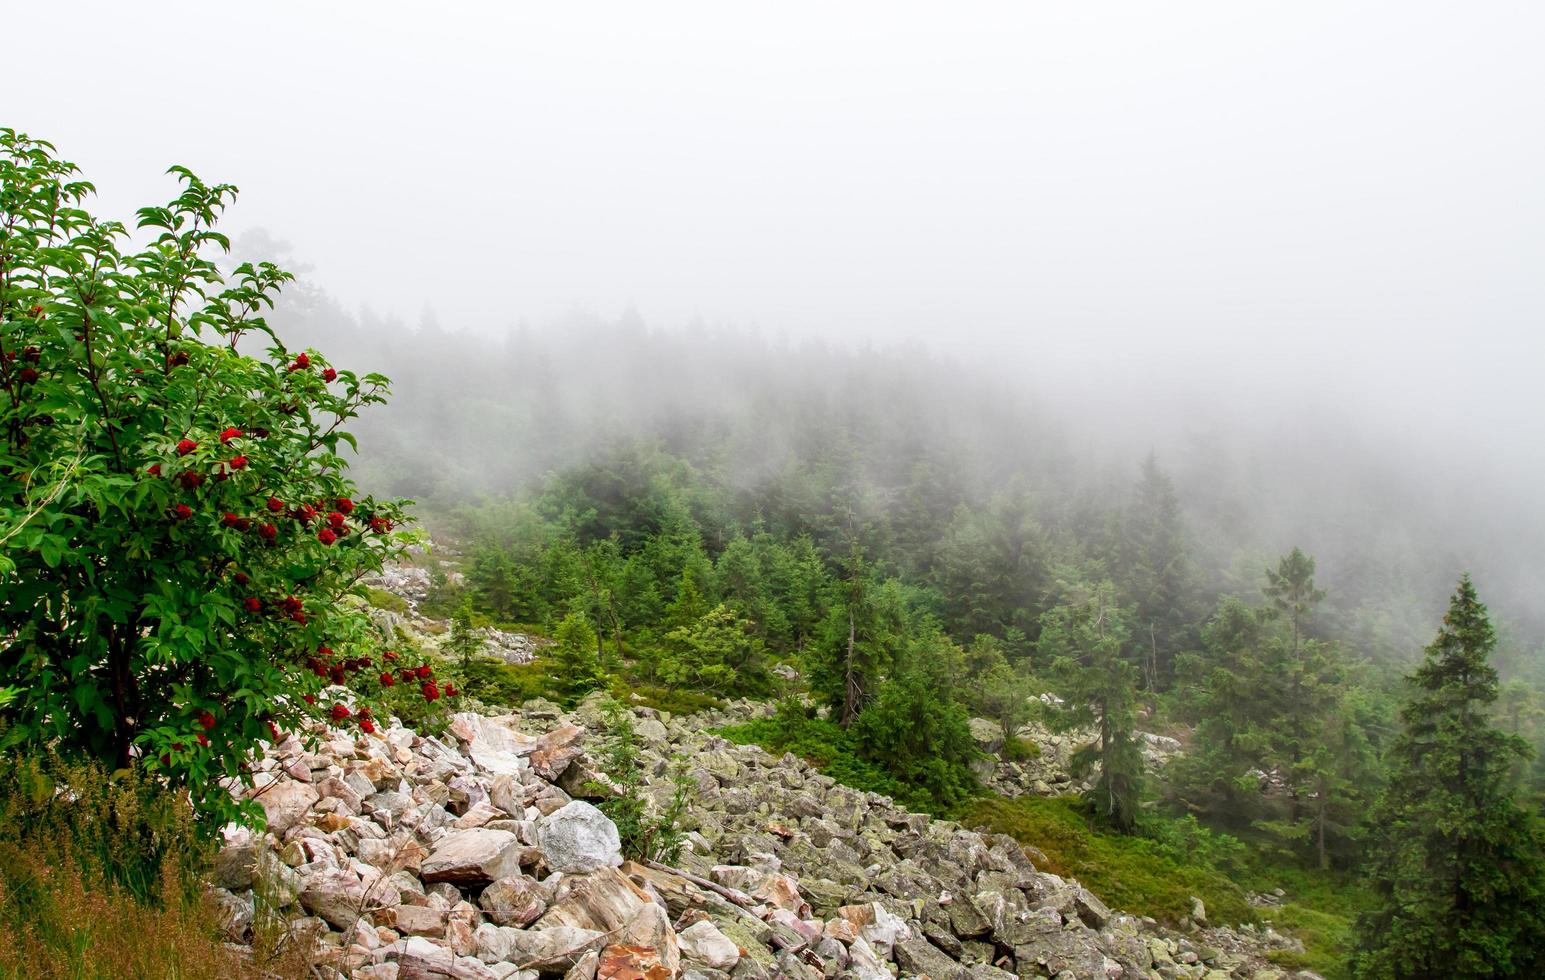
x: 851, y: 689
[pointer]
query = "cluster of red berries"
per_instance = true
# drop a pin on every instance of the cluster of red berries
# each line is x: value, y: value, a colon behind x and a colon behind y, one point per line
x: 303, y: 361
x: 28, y: 375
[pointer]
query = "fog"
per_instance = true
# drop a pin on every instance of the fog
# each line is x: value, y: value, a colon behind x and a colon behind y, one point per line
x: 1311, y: 228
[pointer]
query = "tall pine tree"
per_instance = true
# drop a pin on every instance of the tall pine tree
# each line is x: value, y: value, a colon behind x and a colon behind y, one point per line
x: 1459, y: 872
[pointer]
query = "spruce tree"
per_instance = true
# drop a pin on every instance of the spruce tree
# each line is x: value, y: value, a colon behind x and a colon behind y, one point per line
x: 1084, y: 637
x: 1458, y: 874
x: 1157, y: 574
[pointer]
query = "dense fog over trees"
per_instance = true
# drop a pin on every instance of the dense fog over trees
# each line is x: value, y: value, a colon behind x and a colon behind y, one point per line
x: 1391, y: 521
x: 1117, y: 427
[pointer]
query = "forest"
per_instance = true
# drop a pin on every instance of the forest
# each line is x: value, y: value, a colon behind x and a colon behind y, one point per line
x: 873, y: 491
x: 890, y: 545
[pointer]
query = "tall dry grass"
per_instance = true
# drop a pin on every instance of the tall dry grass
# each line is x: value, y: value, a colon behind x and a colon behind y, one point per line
x: 100, y: 877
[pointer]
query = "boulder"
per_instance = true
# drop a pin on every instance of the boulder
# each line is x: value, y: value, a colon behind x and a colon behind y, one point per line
x: 624, y: 962
x: 917, y: 956
x: 603, y: 900
x: 702, y: 942
x: 473, y: 857
x: 512, y: 901
x: 539, y: 949
x: 577, y: 838
x: 555, y: 750
x: 285, y: 804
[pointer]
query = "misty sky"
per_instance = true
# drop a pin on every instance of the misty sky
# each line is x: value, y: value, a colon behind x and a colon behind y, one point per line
x: 1319, y: 201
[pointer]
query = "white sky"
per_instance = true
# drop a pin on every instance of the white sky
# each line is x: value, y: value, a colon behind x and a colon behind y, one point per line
x: 1261, y: 200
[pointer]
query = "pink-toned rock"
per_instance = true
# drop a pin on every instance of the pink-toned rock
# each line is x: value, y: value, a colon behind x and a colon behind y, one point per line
x: 416, y: 920
x: 781, y: 891
x: 512, y: 902
x: 555, y: 750
x: 285, y: 804
x: 473, y: 856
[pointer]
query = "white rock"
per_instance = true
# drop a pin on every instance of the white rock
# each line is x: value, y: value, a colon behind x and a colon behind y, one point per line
x: 703, y: 942
x: 577, y: 838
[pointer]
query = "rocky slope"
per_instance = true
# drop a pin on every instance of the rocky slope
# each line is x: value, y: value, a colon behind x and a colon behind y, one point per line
x: 476, y: 855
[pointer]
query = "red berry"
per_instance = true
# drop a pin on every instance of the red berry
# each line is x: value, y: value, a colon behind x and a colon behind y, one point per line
x: 326, y: 536
x: 206, y: 719
x: 450, y: 690
x: 32, y: 354
x: 183, y: 512
x: 178, y: 359
x: 238, y: 463
x: 37, y: 311
x: 425, y: 670
x: 339, y: 712
x: 430, y: 691
x: 203, y: 740
x: 336, y: 675
x: 335, y: 520
x: 301, y: 363
x: 389, y: 655
x: 275, y: 505
x: 190, y: 480
x: 273, y: 730
x: 268, y: 532
x: 387, y: 680
x: 367, y: 726
x: 241, y: 578
x: 329, y: 375
x: 28, y: 375
x: 304, y: 513
x: 345, y: 504
x: 252, y: 604
x: 230, y: 519
x: 229, y: 434
x: 309, y: 698
x: 155, y: 469
x: 186, y: 446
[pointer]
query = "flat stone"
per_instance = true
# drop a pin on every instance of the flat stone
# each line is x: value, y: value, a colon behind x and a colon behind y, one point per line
x: 473, y: 857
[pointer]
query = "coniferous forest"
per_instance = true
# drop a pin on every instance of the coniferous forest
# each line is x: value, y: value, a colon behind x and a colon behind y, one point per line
x: 841, y: 492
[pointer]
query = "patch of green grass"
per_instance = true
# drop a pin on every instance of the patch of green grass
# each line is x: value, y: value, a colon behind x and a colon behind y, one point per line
x: 1157, y: 872
x: 1018, y: 749
x: 1135, y: 874
x: 1326, y: 935
x: 390, y: 601
x: 668, y: 699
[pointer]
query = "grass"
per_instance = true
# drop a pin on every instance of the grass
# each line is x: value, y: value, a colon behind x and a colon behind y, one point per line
x: 100, y: 877
x: 668, y: 699
x: 1156, y: 874
x: 1135, y: 874
x: 390, y: 601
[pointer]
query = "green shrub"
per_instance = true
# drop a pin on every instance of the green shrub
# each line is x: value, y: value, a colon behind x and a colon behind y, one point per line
x: 835, y: 751
x: 179, y: 528
x: 511, y: 685
x: 647, y: 833
x: 669, y: 699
